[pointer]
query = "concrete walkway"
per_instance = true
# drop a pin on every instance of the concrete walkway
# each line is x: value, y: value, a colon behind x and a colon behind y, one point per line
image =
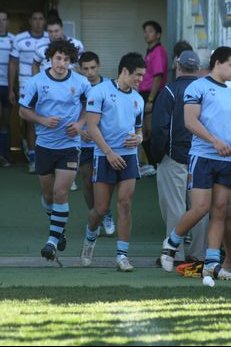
x: 72, y: 262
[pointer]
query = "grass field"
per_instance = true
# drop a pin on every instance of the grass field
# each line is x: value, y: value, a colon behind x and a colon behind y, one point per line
x: 122, y: 315
x: 99, y: 306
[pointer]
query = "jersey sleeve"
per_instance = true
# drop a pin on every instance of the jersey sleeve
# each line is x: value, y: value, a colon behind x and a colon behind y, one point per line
x: 193, y: 94
x: 95, y: 100
x: 30, y: 96
x: 15, y: 49
x: 140, y: 113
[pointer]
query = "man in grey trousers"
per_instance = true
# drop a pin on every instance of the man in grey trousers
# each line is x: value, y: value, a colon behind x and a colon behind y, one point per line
x: 171, y: 142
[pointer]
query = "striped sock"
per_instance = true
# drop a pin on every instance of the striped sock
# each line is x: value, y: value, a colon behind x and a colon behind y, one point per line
x: 213, y: 255
x: 122, y: 248
x: 91, y: 235
x: 174, y: 239
x: 31, y: 155
x: 58, y: 220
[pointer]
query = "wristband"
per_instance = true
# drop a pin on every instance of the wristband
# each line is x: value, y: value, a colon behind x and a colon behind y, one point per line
x: 140, y: 137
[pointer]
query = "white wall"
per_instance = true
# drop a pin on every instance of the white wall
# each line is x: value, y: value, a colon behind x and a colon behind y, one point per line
x: 112, y: 28
x: 69, y: 10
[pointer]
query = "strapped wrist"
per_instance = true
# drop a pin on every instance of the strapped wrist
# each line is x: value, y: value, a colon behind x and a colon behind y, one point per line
x: 140, y: 138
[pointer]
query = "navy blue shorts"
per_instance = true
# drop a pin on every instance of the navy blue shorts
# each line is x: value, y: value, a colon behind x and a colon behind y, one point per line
x: 4, y: 96
x: 204, y: 173
x: 87, y: 155
x: 48, y: 160
x: 104, y: 172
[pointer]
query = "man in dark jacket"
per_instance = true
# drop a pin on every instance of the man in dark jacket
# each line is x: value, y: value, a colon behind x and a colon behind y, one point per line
x: 170, y: 142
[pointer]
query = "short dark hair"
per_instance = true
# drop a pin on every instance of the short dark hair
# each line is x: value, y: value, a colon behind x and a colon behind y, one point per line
x: 88, y: 56
x: 4, y: 11
x: 220, y: 54
x: 156, y: 26
x: 33, y: 11
x: 180, y: 47
x: 53, y: 18
x: 131, y: 61
x: 62, y: 46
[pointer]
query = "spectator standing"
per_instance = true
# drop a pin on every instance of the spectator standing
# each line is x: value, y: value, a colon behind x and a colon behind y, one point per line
x: 171, y: 142
x: 154, y: 80
x: 178, y: 48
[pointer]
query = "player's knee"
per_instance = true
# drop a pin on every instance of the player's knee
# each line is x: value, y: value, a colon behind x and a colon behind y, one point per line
x: 124, y: 205
x: 100, y: 211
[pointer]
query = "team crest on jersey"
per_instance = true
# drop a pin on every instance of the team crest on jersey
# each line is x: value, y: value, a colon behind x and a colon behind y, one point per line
x: 135, y: 104
x: 91, y: 103
x: 113, y: 97
x: 28, y: 43
x: 73, y: 90
x: 212, y: 91
x: 45, y: 89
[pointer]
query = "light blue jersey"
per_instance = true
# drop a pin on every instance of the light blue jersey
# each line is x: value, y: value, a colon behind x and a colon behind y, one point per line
x: 215, y: 101
x: 121, y: 114
x: 61, y: 98
x: 89, y: 144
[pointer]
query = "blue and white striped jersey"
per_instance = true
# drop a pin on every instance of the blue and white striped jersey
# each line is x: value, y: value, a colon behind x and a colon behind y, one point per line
x: 24, y: 46
x: 6, y: 44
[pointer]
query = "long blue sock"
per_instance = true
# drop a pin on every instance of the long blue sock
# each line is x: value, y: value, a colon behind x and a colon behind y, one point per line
x: 174, y: 239
x: 31, y: 155
x: 91, y: 235
x: 122, y: 248
x: 213, y: 255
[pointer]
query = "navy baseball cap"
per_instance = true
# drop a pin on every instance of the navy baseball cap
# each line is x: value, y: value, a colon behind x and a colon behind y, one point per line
x: 189, y: 60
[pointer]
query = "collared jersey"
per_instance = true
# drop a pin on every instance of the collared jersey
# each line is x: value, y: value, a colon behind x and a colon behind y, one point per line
x: 39, y: 54
x: 215, y: 116
x: 24, y: 46
x: 61, y: 98
x: 121, y: 113
x: 156, y: 64
x: 6, y: 44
